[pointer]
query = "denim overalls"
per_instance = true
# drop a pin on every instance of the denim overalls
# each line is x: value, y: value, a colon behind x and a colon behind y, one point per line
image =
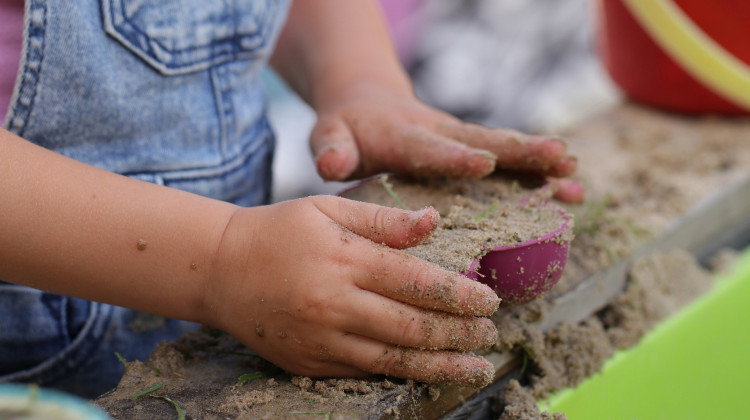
x: 165, y: 91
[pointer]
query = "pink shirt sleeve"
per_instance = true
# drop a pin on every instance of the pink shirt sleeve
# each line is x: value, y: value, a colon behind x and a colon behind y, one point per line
x: 11, y: 40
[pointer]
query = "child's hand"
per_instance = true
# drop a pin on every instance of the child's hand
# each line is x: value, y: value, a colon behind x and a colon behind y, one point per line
x: 315, y: 286
x: 371, y: 129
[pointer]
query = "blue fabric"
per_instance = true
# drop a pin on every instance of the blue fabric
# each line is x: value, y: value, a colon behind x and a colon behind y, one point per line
x: 70, y: 344
x: 165, y: 91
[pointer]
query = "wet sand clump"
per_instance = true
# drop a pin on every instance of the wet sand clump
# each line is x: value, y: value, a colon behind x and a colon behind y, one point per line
x: 475, y: 215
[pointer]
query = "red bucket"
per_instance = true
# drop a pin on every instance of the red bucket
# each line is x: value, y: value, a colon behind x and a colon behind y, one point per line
x: 648, y: 71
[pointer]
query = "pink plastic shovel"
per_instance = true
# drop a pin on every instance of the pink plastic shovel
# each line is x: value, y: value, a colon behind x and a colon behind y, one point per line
x: 521, y: 272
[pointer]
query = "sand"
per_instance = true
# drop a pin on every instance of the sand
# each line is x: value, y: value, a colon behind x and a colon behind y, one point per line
x: 642, y: 170
x: 204, y: 368
x: 203, y: 373
x: 475, y: 215
x: 569, y: 353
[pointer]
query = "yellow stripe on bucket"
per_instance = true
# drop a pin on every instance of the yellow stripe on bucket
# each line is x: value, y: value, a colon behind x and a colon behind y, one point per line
x: 698, y: 54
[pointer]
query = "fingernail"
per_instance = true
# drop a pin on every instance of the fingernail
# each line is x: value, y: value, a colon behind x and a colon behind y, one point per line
x: 549, y: 138
x: 484, y: 154
x: 329, y: 166
x: 483, y: 376
x: 481, y: 373
x: 487, y: 301
x: 491, y: 336
x: 482, y: 300
x: 330, y: 148
x: 561, y: 141
x: 484, y: 165
x: 427, y: 213
x: 568, y: 161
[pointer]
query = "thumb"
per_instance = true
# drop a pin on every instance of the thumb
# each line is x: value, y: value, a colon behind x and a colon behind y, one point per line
x: 334, y: 149
x: 389, y: 226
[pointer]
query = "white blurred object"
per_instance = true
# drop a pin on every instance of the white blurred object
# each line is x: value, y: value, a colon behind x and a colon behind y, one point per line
x: 526, y: 64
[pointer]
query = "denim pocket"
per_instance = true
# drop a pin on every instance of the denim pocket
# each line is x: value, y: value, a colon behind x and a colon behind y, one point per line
x: 183, y: 36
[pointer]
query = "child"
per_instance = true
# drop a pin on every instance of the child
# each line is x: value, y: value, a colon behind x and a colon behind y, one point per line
x: 167, y: 92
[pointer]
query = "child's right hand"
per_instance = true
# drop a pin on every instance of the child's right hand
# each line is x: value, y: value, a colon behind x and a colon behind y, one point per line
x: 305, y: 283
x: 315, y: 286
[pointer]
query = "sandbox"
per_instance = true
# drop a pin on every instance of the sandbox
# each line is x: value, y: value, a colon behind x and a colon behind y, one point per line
x: 664, y: 193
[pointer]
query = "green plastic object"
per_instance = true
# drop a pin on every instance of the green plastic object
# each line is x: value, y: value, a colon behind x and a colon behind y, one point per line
x: 29, y: 402
x: 694, y: 365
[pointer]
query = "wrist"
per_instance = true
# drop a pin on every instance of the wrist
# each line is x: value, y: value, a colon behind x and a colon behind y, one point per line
x: 230, y: 254
x: 329, y: 46
x: 329, y: 96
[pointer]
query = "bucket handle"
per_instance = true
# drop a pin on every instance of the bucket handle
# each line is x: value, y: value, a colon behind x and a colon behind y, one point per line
x: 698, y: 54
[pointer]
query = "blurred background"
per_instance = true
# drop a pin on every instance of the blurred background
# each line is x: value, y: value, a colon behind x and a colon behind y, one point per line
x: 524, y: 64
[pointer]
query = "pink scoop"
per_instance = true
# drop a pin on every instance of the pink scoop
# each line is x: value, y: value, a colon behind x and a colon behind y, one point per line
x: 521, y: 272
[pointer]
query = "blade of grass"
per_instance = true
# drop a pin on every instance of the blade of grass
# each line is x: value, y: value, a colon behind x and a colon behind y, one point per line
x: 482, y: 253
x: 527, y: 355
x: 389, y: 189
x: 146, y: 392
x: 243, y: 379
x: 487, y: 212
x: 180, y: 414
x: 591, y: 217
x: 515, y: 186
x: 121, y: 359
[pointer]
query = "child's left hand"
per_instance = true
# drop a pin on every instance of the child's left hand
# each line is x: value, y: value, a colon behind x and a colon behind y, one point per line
x: 370, y: 129
x: 339, y: 58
